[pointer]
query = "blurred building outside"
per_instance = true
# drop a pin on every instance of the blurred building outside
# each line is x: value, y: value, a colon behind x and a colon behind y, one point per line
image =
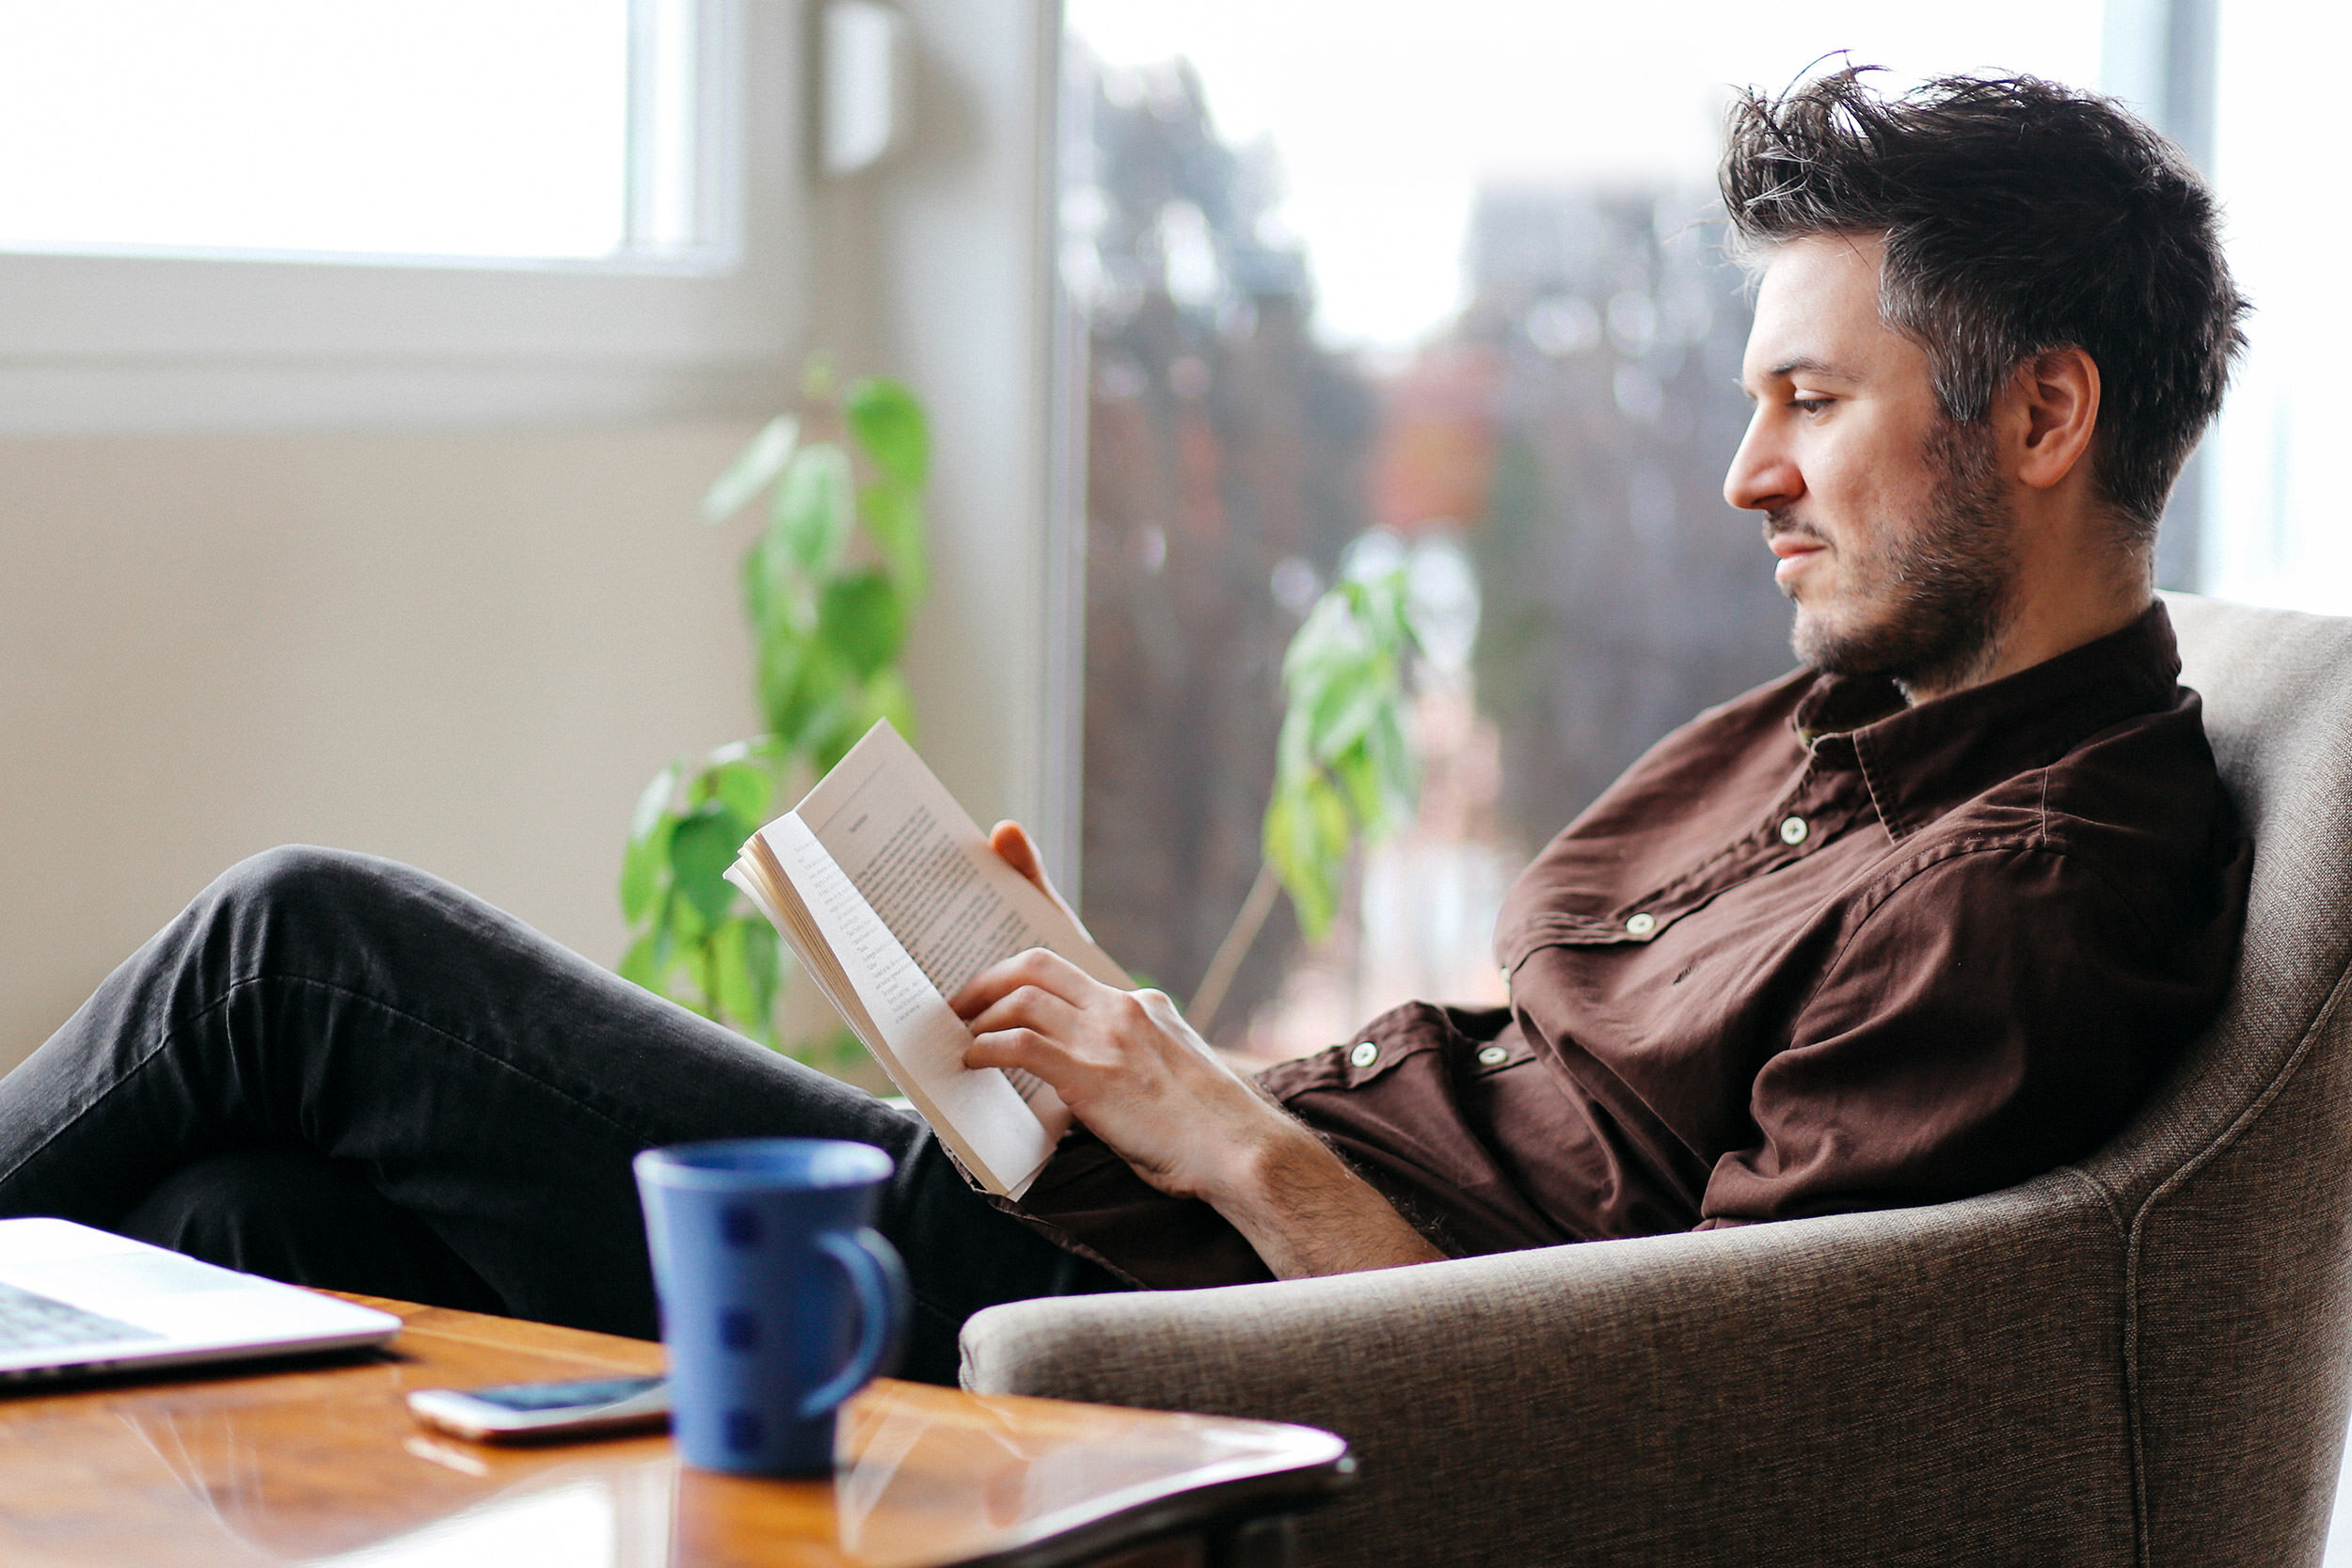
x: 1550, y: 464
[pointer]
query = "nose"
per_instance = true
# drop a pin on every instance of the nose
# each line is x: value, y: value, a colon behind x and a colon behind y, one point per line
x: 1763, y: 475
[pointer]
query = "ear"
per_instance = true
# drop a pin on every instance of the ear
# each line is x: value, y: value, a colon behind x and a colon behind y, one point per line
x: 2057, y: 396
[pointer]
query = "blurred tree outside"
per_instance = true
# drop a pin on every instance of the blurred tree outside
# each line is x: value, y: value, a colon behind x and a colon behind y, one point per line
x: 1551, y: 459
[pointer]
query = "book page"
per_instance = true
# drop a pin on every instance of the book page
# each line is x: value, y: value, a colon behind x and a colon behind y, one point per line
x: 926, y: 868
x: 1001, y: 1135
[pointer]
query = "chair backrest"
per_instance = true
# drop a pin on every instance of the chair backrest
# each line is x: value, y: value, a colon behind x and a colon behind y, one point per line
x: 2235, y: 1185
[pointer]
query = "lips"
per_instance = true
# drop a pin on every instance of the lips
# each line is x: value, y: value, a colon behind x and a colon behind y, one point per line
x: 1795, y: 547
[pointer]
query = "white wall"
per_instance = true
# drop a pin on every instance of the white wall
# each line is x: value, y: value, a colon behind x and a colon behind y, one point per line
x: 466, y: 651
x: 469, y: 649
x: 937, y: 265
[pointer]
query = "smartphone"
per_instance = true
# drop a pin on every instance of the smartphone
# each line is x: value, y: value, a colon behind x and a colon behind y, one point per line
x: 530, y: 1412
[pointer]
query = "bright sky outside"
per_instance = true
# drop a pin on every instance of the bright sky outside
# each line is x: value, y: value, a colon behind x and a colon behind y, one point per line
x: 408, y: 127
x: 2275, y: 531
x: 1387, y: 116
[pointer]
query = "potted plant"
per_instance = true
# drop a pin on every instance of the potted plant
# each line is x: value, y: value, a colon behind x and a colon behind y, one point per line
x: 831, y: 584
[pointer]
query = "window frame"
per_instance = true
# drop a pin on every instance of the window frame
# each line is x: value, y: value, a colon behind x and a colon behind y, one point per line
x: 157, y: 342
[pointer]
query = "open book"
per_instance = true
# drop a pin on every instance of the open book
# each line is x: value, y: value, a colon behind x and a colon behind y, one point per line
x: 891, y: 896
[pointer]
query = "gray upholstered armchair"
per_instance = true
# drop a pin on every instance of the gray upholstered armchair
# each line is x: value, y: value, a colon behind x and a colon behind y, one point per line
x: 2141, y: 1358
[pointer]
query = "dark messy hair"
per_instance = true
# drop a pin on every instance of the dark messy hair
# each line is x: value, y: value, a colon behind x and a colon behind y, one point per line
x: 2019, y: 217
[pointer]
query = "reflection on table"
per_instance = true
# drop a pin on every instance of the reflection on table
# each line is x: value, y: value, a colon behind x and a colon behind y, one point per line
x: 323, y: 1466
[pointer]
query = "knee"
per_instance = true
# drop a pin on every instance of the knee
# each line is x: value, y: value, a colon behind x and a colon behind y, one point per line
x: 291, y: 874
x: 305, y: 891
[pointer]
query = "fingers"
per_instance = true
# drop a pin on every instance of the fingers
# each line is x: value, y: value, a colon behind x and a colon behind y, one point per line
x: 1014, y: 847
x: 1025, y: 1049
x: 1029, y: 1027
x: 1040, y: 967
x: 1028, y: 1007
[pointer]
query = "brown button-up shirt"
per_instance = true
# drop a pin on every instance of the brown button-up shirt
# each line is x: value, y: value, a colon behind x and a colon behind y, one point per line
x: 1817, y: 952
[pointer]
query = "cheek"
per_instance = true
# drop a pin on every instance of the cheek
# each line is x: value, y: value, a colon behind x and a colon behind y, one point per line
x: 1867, y: 489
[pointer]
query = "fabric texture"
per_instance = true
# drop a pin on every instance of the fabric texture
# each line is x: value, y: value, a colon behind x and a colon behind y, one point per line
x: 1816, y: 952
x: 2140, y: 1358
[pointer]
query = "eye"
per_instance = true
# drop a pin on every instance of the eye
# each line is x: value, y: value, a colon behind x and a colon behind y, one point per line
x: 1809, y: 407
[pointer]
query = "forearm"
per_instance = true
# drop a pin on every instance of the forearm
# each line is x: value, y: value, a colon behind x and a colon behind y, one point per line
x: 1306, y: 1213
x: 1135, y: 1073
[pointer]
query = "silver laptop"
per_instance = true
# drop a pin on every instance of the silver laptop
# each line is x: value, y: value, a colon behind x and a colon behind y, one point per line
x: 75, y: 1301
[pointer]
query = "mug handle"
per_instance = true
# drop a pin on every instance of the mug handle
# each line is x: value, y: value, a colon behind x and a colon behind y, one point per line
x: 879, y: 1279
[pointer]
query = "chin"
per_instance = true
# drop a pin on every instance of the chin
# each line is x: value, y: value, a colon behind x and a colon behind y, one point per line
x: 1832, y: 648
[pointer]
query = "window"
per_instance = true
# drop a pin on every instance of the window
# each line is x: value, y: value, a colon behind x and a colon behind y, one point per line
x: 271, y: 212
x: 1356, y: 285
x: 479, y: 130
x: 2274, y: 524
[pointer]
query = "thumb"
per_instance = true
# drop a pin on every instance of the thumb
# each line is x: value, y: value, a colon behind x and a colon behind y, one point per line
x: 1014, y: 847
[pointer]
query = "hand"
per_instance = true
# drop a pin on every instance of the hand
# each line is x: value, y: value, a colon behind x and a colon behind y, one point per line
x: 1128, y: 1066
x: 1134, y: 1071
x: 1014, y: 847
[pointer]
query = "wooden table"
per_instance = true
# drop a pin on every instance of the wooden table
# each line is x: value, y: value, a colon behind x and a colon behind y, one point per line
x: 321, y: 1463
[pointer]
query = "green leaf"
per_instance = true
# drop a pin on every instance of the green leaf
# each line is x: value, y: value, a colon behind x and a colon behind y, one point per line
x: 757, y: 590
x: 687, y: 928
x: 1359, y: 786
x: 889, y: 425
x: 646, y: 960
x: 653, y: 804
x: 1293, y: 758
x: 1392, y: 762
x: 754, y: 466
x: 831, y: 743
x: 763, y: 963
x: 815, y: 508
x: 745, y: 788
x: 1330, y: 633
x: 642, y: 868
x: 887, y: 697
x: 701, y: 851
x: 894, y: 516
x: 861, y: 616
x: 1348, y: 705
x: 732, y: 990
x: 1290, y: 848
x: 805, y: 688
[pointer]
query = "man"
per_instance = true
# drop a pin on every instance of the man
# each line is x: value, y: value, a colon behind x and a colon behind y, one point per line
x: 1919, y: 921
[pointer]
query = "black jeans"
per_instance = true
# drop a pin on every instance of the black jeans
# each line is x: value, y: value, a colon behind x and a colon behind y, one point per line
x: 341, y: 1072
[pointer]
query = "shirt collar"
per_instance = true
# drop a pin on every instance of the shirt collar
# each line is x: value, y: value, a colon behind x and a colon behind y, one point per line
x: 1920, y: 762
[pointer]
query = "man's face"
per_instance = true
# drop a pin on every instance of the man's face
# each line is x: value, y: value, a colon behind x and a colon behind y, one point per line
x: 1894, y: 538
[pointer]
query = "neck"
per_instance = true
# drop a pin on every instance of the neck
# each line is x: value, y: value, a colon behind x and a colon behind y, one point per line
x: 2071, y: 586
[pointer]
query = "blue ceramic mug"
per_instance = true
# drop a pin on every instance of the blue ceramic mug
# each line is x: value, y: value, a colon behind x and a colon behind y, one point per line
x: 779, y: 1299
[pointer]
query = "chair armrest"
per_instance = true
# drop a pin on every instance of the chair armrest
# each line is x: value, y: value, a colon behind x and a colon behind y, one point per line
x: 1860, y: 1388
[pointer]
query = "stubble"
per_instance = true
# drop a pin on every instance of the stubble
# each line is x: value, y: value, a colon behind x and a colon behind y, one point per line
x: 1935, y: 601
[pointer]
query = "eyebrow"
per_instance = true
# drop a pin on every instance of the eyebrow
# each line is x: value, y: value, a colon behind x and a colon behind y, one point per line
x: 1787, y: 368
x: 1806, y: 362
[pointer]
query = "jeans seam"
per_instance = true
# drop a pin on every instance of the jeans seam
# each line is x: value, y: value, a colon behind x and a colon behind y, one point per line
x: 65, y: 1124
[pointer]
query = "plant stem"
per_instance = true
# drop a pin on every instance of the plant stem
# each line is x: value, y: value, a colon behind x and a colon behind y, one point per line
x: 1236, y: 947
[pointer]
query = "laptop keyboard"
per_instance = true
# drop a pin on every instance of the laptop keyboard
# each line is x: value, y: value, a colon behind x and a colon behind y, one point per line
x: 29, y: 1321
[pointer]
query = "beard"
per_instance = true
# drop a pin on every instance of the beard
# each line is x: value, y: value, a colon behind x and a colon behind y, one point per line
x: 1926, y: 608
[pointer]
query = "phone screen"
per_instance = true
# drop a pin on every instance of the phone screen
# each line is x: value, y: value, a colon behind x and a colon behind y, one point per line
x: 586, y: 1394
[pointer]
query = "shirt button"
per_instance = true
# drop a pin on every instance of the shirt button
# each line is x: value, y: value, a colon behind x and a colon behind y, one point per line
x: 1641, y: 925
x: 1494, y: 1055
x: 1364, y: 1055
x: 1793, y: 830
